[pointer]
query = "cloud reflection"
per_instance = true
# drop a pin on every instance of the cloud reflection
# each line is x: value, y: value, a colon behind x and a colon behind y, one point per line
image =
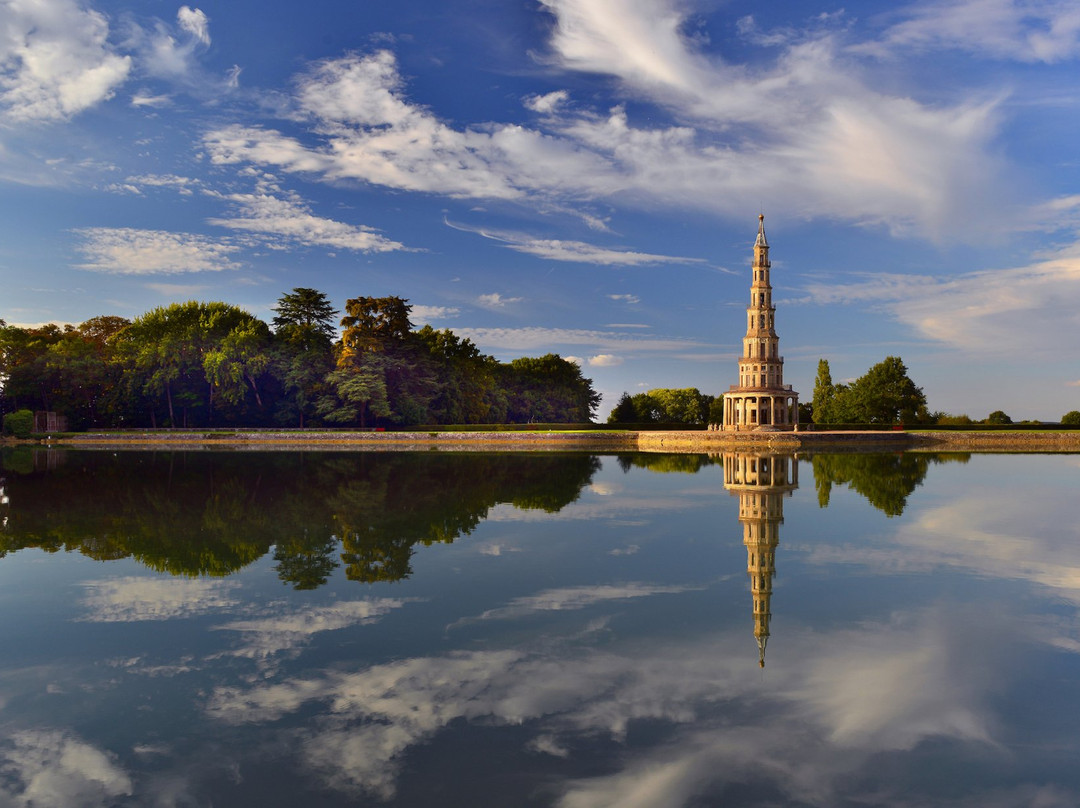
x: 807, y: 730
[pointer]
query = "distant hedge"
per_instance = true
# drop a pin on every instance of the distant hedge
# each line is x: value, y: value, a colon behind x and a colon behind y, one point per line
x: 19, y: 423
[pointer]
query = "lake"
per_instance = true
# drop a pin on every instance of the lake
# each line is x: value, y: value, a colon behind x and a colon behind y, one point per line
x: 538, y: 629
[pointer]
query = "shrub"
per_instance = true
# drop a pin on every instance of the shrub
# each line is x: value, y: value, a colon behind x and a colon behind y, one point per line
x: 19, y: 423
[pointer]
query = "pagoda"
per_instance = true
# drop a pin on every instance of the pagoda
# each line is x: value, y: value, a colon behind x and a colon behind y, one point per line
x: 761, y: 400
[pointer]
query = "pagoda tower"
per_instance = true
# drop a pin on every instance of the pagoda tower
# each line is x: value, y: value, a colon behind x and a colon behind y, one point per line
x: 761, y: 400
x: 761, y: 482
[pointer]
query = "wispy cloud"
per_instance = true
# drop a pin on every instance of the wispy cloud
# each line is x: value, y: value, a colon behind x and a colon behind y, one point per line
x: 128, y: 251
x: 292, y: 222
x: 631, y: 299
x: 991, y: 310
x: 1047, y: 31
x: 496, y: 301
x: 578, y: 252
x: 421, y: 314
x: 805, y: 124
x: 56, y: 61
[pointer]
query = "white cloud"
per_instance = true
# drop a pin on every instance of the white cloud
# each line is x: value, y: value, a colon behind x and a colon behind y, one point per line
x: 289, y: 219
x: 128, y: 251
x: 547, y: 103
x: 136, y: 599
x: 631, y: 299
x: 605, y: 361
x: 991, y: 310
x: 153, y: 101
x: 496, y: 301
x: 55, y: 60
x: 51, y: 767
x: 170, y: 52
x: 195, y: 22
x: 182, y: 184
x: 1045, y: 31
x: 806, y: 128
x: 578, y: 252
x: 421, y: 314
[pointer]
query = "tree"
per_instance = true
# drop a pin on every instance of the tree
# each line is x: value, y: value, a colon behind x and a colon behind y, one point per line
x: 885, y: 394
x: 824, y: 395
x: 681, y: 406
x: 547, y: 389
x: 305, y: 319
x: 374, y: 324
x: 1071, y: 418
x: 186, y: 352
x: 998, y: 417
x: 623, y: 412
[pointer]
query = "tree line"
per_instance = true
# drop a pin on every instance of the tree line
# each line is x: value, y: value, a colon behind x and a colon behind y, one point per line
x: 213, y: 364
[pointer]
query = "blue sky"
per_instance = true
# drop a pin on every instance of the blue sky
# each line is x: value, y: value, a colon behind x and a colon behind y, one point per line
x: 576, y: 176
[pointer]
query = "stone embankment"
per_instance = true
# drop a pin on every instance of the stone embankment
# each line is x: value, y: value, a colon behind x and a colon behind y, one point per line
x: 600, y: 441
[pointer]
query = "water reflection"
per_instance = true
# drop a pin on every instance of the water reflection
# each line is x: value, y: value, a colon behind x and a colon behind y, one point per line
x: 928, y: 658
x: 761, y: 482
x: 214, y: 513
x: 885, y: 480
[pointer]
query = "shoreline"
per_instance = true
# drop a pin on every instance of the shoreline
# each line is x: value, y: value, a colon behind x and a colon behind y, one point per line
x: 697, y: 441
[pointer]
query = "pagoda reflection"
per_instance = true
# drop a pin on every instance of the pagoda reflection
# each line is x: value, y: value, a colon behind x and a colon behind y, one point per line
x: 761, y: 481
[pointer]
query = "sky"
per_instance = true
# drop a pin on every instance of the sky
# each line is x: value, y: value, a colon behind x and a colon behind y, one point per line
x: 581, y: 177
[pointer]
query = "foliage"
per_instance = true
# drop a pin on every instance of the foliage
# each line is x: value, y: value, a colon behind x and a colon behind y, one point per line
x: 824, y: 395
x: 885, y: 394
x: 998, y: 417
x: 945, y: 419
x: 666, y: 405
x: 305, y: 319
x: 19, y: 424
x: 1071, y: 418
x: 200, y: 364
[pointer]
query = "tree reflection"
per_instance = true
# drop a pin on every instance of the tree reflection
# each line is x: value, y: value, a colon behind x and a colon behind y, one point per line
x: 886, y: 480
x: 213, y: 513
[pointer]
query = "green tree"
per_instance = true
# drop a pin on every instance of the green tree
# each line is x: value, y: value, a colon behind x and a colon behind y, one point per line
x: 885, y: 394
x: 681, y: 406
x: 1071, y: 418
x: 824, y: 395
x: 374, y: 324
x: 623, y: 412
x: 305, y: 318
x: 303, y: 335
x: 998, y: 417
x: 357, y: 393
x: 184, y: 354
x: 547, y: 389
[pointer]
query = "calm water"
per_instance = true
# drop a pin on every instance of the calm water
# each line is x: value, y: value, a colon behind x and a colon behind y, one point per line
x: 278, y: 629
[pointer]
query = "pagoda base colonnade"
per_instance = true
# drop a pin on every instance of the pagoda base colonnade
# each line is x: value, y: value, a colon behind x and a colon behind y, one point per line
x: 746, y: 411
